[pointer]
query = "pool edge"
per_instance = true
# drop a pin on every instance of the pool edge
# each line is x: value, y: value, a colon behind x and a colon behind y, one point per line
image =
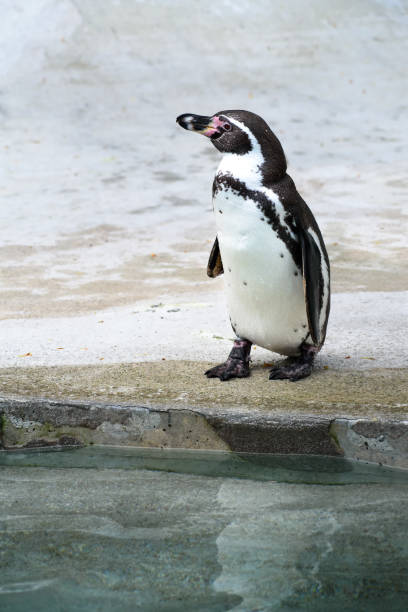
x: 31, y: 423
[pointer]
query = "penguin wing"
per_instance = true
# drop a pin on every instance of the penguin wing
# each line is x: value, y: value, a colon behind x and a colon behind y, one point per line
x: 313, y: 256
x: 214, y: 267
x: 311, y: 266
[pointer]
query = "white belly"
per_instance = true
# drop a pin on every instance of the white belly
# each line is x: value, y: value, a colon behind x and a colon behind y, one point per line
x: 264, y: 287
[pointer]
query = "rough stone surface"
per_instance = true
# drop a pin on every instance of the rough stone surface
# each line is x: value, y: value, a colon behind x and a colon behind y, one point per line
x: 36, y: 423
x: 375, y: 392
x: 376, y: 441
x: 32, y: 423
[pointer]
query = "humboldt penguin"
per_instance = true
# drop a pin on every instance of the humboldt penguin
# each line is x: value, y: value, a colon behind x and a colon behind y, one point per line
x: 268, y: 246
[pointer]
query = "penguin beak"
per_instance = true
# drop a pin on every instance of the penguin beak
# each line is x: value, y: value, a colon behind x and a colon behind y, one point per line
x: 209, y: 126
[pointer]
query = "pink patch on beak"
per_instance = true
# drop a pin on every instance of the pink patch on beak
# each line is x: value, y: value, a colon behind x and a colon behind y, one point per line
x: 209, y: 131
x: 217, y: 122
x: 213, y: 127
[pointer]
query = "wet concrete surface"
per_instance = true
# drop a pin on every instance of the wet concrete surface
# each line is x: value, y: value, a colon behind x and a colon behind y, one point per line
x: 181, y: 384
x: 107, y: 201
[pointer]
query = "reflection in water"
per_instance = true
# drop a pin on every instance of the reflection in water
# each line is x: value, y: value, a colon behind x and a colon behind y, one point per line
x: 153, y: 530
x: 85, y: 540
x: 297, y: 547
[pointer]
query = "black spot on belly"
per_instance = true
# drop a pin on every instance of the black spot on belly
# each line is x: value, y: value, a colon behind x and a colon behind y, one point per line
x: 244, y: 283
x: 229, y: 269
x: 220, y: 211
x: 281, y: 254
x: 295, y: 273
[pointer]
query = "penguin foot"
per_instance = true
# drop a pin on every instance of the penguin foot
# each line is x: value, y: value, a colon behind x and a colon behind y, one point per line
x: 237, y: 364
x: 295, y: 371
x: 232, y: 368
x: 295, y: 368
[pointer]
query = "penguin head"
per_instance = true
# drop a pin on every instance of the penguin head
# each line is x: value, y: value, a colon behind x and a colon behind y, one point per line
x: 241, y: 133
x: 224, y: 131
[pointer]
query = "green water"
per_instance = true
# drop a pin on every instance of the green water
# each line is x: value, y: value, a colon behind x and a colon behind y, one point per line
x: 108, y: 529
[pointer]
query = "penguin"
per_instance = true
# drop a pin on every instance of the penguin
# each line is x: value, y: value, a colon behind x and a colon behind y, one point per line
x: 268, y: 246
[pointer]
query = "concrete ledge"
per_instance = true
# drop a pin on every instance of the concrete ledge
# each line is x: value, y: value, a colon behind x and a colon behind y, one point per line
x: 376, y: 393
x: 28, y: 423
x: 171, y: 404
x: 384, y: 442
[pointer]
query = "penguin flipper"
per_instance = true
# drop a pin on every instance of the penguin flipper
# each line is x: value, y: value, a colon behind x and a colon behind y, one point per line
x: 311, y: 266
x: 215, y: 267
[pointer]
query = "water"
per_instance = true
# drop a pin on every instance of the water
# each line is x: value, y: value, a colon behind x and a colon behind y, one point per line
x: 154, y: 530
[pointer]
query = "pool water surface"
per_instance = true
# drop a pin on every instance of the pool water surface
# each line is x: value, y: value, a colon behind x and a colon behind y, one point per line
x: 109, y: 529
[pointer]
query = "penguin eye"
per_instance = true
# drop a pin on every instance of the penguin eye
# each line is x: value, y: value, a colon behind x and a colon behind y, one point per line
x: 227, y: 127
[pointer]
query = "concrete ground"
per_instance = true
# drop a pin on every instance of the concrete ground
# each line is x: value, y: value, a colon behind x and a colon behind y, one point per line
x: 106, y: 202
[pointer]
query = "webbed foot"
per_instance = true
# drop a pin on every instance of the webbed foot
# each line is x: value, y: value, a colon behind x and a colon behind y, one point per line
x: 237, y: 364
x: 295, y: 368
x: 292, y: 372
x: 232, y: 368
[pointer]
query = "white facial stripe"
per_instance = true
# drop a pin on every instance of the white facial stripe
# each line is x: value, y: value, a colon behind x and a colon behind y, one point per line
x: 255, y: 144
x: 247, y: 169
x: 325, y: 273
